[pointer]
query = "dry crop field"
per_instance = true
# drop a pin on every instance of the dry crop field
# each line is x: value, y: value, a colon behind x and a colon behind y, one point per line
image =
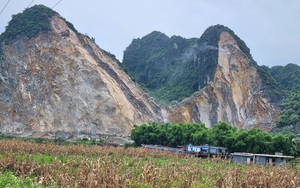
x: 50, y: 165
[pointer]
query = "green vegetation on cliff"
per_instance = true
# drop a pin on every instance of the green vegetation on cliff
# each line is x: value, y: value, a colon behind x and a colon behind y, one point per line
x: 290, y: 115
x: 271, y: 88
x: 161, y: 65
x: 287, y: 76
x: 281, y: 79
x: 30, y: 23
x: 172, y: 69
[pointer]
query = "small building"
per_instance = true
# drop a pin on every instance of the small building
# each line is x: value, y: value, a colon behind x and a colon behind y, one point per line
x: 199, y: 151
x: 193, y: 148
x: 207, y: 150
x: 262, y: 159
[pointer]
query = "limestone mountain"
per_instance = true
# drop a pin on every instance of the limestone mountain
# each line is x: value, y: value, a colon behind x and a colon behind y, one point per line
x: 173, y: 68
x: 218, y: 71
x: 163, y: 66
x: 54, y: 78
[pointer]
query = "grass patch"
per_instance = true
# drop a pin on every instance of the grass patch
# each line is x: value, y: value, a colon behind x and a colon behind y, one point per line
x: 9, y: 180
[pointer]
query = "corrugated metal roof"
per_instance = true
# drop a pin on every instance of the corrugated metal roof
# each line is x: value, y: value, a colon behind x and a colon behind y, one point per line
x: 261, y: 155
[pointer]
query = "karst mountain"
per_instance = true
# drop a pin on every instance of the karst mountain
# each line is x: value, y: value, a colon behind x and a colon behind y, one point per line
x: 53, y: 78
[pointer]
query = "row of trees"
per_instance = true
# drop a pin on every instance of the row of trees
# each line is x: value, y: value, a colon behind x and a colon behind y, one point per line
x: 222, y: 134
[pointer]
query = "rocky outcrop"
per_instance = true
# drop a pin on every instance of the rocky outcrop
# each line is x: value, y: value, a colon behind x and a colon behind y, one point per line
x: 234, y: 95
x: 63, y: 81
x: 60, y: 80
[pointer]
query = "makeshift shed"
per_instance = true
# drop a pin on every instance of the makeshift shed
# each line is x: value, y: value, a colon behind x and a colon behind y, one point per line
x: 263, y: 159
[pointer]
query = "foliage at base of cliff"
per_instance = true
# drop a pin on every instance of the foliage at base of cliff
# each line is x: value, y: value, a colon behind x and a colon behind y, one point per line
x: 222, y: 134
x: 30, y: 23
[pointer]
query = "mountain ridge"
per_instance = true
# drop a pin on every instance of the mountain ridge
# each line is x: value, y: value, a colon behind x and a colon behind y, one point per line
x: 272, y: 90
x: 196, y: 64
x: 60, y: 80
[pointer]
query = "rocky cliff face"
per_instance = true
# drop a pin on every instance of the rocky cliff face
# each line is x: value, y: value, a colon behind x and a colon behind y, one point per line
x: 63, y: 81
x: 235, y: 94
x: 58, y: 79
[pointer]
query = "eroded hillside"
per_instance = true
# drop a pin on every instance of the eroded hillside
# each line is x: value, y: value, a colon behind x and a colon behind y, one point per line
x: 61, y: 80
x: 54, y: 78
x: 218, y: 71
x: 234, y: 94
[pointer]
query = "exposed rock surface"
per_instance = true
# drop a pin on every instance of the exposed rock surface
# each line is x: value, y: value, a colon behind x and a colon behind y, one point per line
x: 63, y: 81
x: 234, y: 95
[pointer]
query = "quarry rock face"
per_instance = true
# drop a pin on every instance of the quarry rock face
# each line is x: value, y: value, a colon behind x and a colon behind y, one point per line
x: 234, y: 95
x: 64, y: 81
x: 61, y: 80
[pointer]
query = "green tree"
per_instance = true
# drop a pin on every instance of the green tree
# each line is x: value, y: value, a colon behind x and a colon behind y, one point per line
x: 162, y: 134
x: 200, y: 137
x: 230, y: 140
x: 282, y: 144
x: 239, y: 144
x: 174, y: 135
x: 220, y: 132
x: 189, y: 130
x: 295, y: 147
x: 138, y: 134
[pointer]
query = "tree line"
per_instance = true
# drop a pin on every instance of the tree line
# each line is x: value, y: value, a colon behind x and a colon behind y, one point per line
x: 222, y: 134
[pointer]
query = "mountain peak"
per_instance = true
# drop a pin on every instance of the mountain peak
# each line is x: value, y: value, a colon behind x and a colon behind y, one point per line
x: 212, y: 34
x: 157, y: 34
x: 30, y: 23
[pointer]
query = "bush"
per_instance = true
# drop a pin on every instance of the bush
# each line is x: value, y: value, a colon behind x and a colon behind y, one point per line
x: 8, y: 179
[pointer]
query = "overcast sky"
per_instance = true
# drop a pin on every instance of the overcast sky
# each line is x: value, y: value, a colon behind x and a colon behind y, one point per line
x: 270, y: 28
